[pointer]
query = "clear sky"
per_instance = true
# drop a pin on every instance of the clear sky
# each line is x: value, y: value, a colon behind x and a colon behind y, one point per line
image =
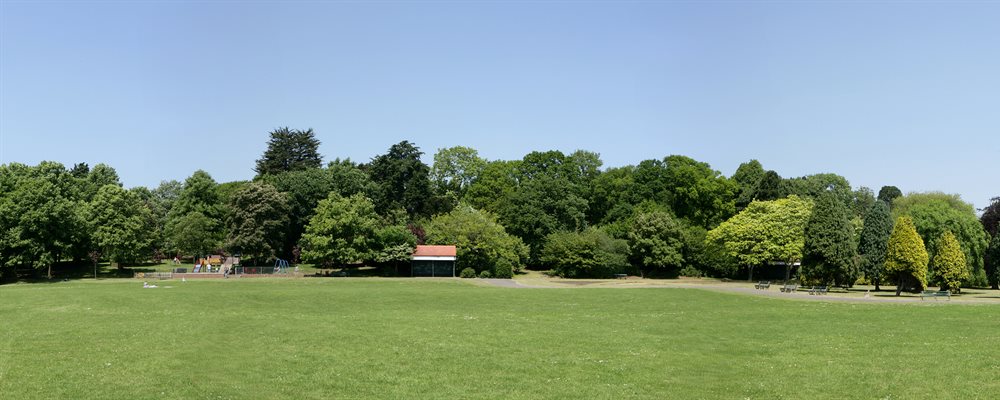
x: 888, y: 93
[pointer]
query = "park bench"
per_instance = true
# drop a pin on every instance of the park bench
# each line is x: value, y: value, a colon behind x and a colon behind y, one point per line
x: 621, y: 276
x: 763, y: 285
x: 789, y: 288
x: 935, y: 294
x: 818, y: 290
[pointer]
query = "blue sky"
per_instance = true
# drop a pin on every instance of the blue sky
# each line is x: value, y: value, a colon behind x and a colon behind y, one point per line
x: 888, y: 93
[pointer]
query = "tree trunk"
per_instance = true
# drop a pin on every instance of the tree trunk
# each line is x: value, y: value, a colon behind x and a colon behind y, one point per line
x: 876, y: 285
x: 899, y: 286
x: 50, y: 271
x: 750, y: 279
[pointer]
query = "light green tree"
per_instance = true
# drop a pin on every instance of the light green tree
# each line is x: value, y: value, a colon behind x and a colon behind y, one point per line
x: 906, y: 257
x: 481, y: 242
x: 764, y: 232
x: 455, y: 169
x: 590, y: 253
x: 948, y: 266
x: 343, y: 231
x: 119, y: 223
x: 934, y: 213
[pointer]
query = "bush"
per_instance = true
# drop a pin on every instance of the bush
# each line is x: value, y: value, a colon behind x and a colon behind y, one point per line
x: 485, y: 274
x: 691, y: 272
x: 504, y: 270
x: 467, y: 273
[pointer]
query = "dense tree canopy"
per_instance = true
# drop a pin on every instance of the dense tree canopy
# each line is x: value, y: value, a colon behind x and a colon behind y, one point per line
x: 257, y: 221
x: 482, y: 243
x: 455, y: 169
x: 765, y: 232
x: 401, y: 180
x: 119, y: 224
x: 343, y: 231
x: 290, y: 150
x: 590, y: 253
x: 874, y: 240
x: 656, y: 241
x: 948, y: 266
x: 906, y: 257
x: 934, y: 213
x: 829, y: 254
x: 991, y: 217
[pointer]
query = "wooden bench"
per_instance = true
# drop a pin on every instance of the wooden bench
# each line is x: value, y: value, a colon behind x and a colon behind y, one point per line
x: 789, y: 288
x: 763, y: 285
x: 935, y: 294
x: 818, y: 290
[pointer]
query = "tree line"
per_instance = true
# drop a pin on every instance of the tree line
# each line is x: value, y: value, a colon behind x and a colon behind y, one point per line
x: 548, y: 210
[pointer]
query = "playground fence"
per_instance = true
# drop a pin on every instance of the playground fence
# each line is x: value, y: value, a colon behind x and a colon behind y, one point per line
x: 154, y: 275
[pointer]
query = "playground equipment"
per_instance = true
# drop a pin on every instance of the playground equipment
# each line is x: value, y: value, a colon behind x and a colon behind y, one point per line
x: 280, y: 265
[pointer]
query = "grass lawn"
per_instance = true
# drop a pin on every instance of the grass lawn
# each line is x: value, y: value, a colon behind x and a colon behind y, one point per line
x: 409, y: 338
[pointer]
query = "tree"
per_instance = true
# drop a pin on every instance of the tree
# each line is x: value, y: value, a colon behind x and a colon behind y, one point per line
x: 39, y: 215
x: 656, y: 241
x: 119, y: 224
x: 764, y: 232
x: 591, y: 253
x: 401, y: 180
x: 948, y: 265
x: 290, y: 150
x: 829, y: 253
x: 494, y: 187
x: 394, y: 245
x: 455, y: 169
x: 991, y: 217
x: 304, y: 190
x: 195, y: 234
x: 481, y: 242
x: 874, y: 240
x: 934, y: 213
x: 257, y: 221
x: 343, y: 231
x: 864, y: 200
x: 746, y: 178
x: 770, y: 187
x: 906, y: 258
x: 993, y: 261
x: 697, y: 192
x: 889, y: 193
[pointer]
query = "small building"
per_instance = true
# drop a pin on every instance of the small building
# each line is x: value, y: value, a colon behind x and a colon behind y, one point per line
x: 433, y: 261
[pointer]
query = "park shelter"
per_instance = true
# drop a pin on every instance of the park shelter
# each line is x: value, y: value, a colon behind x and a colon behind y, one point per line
x: 433, y: 261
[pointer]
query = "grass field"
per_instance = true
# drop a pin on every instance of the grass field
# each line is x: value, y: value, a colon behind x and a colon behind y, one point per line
x: 406, y: 338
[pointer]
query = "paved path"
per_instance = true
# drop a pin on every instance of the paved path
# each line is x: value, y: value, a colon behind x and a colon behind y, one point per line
x: 721, y: 287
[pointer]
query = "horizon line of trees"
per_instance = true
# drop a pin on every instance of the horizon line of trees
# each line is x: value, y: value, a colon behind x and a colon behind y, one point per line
x: 549, y: 210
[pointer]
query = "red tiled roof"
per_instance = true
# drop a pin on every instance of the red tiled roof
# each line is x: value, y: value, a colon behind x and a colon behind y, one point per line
x: 435, y: 251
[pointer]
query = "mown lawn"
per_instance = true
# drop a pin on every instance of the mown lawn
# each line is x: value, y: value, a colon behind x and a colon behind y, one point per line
x: 407, y: 338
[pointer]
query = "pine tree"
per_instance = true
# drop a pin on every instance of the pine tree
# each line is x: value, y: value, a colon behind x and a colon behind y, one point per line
x: 829, y: 253
x: 906, y: 257
x: 290, y: 150
x: 874, y: 240
x: 949, y: 263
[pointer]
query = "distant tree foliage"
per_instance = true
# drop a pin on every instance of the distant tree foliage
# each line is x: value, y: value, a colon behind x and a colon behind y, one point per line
x: 874, y: 241
x: 482, y: 243
x: 906, y: 257
x: 764, y: 232
x: 770, y: 187
x: 991, y: 217
x: 746, y: 178
x: 829, y: 254
x: 199, y: 234
x: 948, y: 266
x: 119, y: 224
x: 934, y: 213
x: 455, y: 169
x: 656, y: 241
x: 257, y: 221
x: 401, y: 180
x: 590, y: 253
x: 889, y: 193
x: 697, y: 192
x: 195, y: 234
x: 343, y: 231
x: 290, y: 150
x: 993, y: 261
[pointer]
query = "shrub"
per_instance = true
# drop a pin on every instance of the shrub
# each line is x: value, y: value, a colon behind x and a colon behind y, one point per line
x: 467, y: 273
x: 691, y: 272
x: 485, y: 274
x: 504, y: 270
